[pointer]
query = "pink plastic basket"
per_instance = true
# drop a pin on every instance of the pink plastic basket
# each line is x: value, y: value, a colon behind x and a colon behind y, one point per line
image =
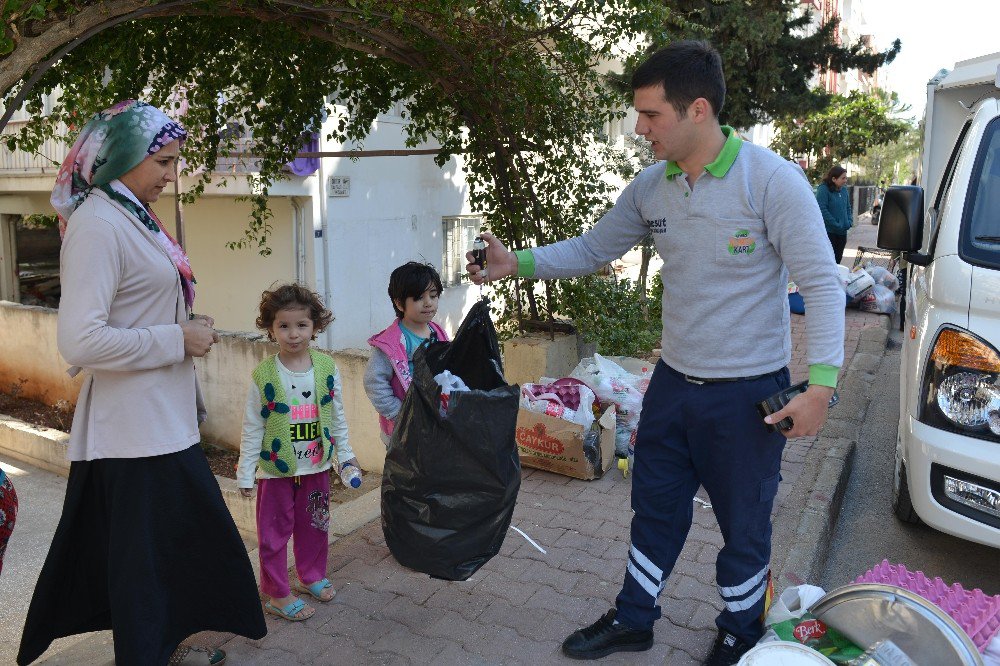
x: 565, y: 390
x: 977, y: 613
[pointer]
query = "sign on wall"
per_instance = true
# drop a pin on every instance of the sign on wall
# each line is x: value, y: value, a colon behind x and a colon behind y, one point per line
x: 340, y: 186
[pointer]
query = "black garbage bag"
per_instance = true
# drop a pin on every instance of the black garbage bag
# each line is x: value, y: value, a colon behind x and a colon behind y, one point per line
x: 450, y: 483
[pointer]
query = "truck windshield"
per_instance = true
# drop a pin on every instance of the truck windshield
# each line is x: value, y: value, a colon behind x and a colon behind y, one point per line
x: 981, y: 229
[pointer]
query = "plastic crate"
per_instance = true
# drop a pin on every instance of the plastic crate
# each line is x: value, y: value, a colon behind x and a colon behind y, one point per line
x: 887, y: 259
x: 977, y: 613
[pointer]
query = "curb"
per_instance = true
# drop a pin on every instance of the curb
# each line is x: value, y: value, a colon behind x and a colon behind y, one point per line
x: 805, y: 521
x: 45, y: 448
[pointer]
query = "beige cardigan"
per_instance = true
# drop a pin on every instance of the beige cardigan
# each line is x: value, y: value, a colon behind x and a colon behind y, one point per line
x: 118, y: 322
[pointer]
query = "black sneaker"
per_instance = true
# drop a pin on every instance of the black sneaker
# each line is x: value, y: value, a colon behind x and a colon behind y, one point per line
x: 727, y: 650
x: 604, y: 637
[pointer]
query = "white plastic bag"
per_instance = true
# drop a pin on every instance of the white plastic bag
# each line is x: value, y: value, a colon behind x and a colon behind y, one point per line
x: 793, y: 602
x: 883, y: 277
x: 858, y: 282
x: 615, y: 385
x: 551, y: 404
x: 845, y: 275
x: 879, y: 299
x: 449, y: 384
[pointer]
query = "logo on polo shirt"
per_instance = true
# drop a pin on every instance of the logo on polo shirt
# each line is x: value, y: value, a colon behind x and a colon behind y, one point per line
x: 741, y: 243
x: 657, y: 226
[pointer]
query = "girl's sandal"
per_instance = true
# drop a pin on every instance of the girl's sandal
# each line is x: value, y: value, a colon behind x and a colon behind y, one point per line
x: 316, y: 590
x: 289, y: 612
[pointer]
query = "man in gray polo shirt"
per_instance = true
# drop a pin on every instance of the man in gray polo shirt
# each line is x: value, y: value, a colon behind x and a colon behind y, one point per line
x: 730, y: 220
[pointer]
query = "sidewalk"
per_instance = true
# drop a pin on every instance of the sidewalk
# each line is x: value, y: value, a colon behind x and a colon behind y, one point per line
x: 522, y: 604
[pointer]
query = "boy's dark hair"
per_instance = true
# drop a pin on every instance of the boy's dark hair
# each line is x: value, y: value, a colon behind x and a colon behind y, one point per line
x: 292, y: 296
x: 687, y: 70
x: 411, y: 280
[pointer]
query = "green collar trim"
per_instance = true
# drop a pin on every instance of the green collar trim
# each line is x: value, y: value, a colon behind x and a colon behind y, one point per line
x: 720, y: 167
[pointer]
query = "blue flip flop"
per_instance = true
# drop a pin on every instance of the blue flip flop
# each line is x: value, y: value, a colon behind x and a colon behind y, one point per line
x: 315, y: 590
x: 289, y: 611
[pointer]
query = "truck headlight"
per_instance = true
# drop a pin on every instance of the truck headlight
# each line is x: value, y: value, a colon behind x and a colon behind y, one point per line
x: 961, y: 386
x: 968, y: 398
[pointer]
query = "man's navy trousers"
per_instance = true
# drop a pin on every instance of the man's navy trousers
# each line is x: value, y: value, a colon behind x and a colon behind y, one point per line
x: 708, y: 434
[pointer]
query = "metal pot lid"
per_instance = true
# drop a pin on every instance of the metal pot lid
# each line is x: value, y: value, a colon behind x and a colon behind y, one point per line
x: 867, y: 613
x: 783, y: 653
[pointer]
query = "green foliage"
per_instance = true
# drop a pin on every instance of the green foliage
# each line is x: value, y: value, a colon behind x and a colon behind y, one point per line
x: 38, y: 221
x: 768, y: 59
x: 892, y: 162
x: 608, y: 311
x: 511, y: 85
x: 848, y: 128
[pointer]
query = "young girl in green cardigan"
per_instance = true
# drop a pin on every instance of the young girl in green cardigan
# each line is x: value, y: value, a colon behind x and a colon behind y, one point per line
x: 294, y: 431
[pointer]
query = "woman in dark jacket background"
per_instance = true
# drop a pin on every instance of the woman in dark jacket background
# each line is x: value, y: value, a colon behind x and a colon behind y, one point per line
x: 835, y: 205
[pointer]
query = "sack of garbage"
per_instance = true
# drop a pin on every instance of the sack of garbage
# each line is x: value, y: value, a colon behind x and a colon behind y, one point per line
x: 858, y: 282
x: 449, y: 383
x: 615, y: 385
x: 879, y: 299
x: 451, y: 481
x: 573, y: 402
x: 883, y: 277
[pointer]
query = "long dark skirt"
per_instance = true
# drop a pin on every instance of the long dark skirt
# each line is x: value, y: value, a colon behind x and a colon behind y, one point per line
x: 145, y: 547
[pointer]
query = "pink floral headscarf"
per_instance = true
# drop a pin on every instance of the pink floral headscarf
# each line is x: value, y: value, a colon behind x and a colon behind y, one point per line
x: 113, y: 143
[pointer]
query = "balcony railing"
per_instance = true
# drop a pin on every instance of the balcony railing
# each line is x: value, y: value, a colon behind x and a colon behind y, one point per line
x: 46, y: 161
x: 53, y: 151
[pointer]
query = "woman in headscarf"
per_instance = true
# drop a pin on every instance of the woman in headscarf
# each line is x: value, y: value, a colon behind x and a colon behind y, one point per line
x: 145, y: 546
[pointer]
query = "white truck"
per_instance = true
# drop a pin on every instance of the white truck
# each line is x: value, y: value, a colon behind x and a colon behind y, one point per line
x: 947, y: 463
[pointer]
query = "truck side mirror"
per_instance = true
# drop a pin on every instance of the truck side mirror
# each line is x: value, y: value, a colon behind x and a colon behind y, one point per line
x: 901, y: 225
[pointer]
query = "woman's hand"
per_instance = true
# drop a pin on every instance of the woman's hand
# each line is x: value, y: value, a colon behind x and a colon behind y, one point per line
x: 209, y: 320
x: 198, y: 337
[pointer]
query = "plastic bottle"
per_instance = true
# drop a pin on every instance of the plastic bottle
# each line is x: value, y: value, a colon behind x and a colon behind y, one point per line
x: 479, y: 252
x: 626, y: 464
x: 350, y: 475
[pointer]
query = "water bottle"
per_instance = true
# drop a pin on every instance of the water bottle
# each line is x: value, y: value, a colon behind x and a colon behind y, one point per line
x: 350, y: 475
x: 626, y: 464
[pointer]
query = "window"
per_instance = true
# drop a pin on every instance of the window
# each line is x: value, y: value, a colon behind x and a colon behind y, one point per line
x: 941, y: 196
x: 979, y: 241
x: 458, y: 233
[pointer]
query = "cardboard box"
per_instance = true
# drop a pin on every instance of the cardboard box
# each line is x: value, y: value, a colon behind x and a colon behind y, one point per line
x: 556, y: 445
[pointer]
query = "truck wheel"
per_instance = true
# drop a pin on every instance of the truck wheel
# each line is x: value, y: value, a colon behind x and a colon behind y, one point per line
x: 901, y: 504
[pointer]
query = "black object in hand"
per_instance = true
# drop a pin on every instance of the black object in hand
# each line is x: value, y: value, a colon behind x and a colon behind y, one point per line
x: 479, y: 252
x: 777, y: 402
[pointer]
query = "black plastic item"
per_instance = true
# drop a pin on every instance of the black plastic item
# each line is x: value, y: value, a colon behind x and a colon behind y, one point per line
x: 450, y: 483
x: 777, y: 402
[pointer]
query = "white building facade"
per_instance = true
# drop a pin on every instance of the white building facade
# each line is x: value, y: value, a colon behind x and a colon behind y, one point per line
x: 340, y: 230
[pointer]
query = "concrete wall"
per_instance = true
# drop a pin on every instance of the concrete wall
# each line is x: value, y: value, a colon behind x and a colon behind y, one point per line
x: 225, y: 374
x: 230, y: 281
x: 29, y: 352
x: 532, y: 356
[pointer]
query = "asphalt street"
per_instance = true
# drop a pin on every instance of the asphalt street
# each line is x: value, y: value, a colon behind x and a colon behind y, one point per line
x: 867, y: 531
